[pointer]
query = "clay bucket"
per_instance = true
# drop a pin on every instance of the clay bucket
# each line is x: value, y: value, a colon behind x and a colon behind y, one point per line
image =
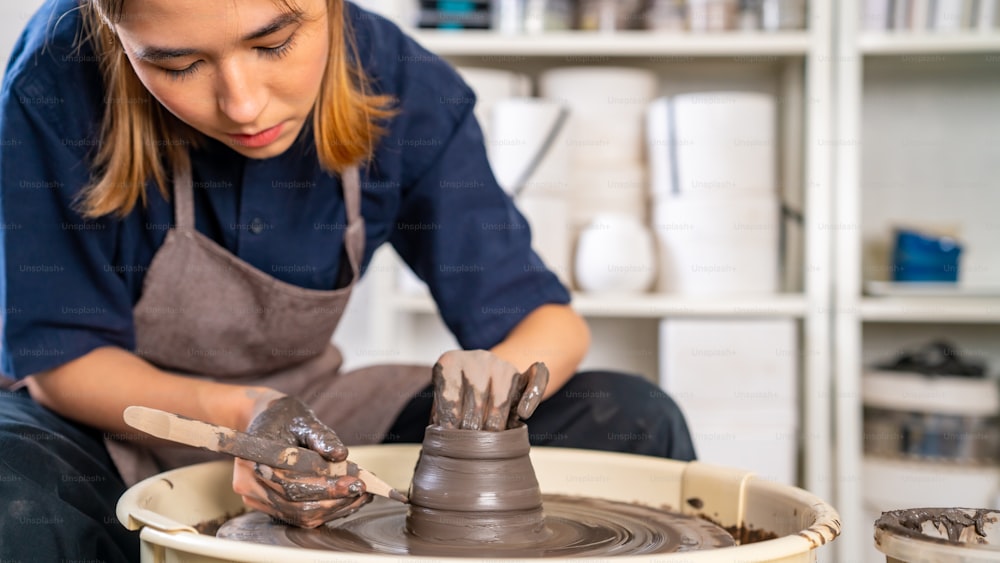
x: 902, y: 544
x: 473, y: 487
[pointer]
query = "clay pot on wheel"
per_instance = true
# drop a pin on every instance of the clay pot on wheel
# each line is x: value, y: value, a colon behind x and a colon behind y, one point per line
x: 473, y: 486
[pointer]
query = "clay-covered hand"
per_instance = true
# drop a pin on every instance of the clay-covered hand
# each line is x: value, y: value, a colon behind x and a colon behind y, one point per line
x: 478, y: 390
x: 305, y: 500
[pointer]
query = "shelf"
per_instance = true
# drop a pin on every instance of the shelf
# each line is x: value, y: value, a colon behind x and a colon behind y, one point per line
x: 797, y: 67
x: 602, y: 46
x: 658, y: 306
x: 928, y: 43
x: 931, y: 309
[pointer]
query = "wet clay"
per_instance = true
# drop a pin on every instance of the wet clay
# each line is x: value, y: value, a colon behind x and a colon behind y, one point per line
x: 475, y: 494
x: 465, y: 395
x: 274, y: 435
x: 744, y: 535
x: 576, y: 527
x: 961, y: 526
x: 290, y: 421
x: 476, y: 487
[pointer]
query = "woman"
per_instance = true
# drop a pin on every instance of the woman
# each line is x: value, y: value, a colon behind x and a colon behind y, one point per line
x: 190, y: 190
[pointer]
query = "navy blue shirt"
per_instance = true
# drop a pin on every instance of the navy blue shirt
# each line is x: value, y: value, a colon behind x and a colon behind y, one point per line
x: 69, y: 284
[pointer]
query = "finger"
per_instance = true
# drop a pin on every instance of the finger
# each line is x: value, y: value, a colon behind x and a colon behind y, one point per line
x: 506, y: 390
x: 444, y: 413
x: 474, y: 401
x: 244, y: 478
x: 537, y: 380
x: 307, y: 429
x: 356, y: 505
x: 335, y: 486
x: 306, y: 514
x: 312, y: 514
x: 342, y: 511
x: 504, y: 379
x: 298, y: 487
x: 324, y: 514
x: 277, y: 420
x: 321, y: 438
x: 253, y: 491
x: 516, y: 392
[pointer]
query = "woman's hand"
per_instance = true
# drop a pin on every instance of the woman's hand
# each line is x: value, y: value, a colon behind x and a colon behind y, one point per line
x: 478, y: 390
x: 299, y: 499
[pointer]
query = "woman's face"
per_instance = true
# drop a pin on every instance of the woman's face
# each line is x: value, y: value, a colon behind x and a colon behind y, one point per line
x: 244, y: 72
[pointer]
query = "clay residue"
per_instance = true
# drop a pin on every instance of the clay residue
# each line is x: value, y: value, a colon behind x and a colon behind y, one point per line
x: 961, y: 525
x: 249, y: 449
x: 211, y: 527
x: 743, y: 534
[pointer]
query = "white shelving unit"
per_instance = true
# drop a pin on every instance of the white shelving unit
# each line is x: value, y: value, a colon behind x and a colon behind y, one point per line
x: 657, y: 306
x: 930, y: 310
x: 618, y: 44
x: 927, y: 87
x: 910, y: 44
x: 796, y: 68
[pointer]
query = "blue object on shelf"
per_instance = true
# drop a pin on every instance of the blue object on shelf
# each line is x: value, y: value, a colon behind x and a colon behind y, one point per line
x: 455, y: 14
x: 920, y: 257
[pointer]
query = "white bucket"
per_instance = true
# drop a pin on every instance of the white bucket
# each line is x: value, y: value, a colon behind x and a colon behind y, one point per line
x: 932, y: 544
x: 167, y: 506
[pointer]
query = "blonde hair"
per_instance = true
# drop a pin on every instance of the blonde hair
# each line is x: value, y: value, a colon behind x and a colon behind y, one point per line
x: 141, y: 140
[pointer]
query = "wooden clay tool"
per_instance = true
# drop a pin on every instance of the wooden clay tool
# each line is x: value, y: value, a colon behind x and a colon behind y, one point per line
x: 176, y: 428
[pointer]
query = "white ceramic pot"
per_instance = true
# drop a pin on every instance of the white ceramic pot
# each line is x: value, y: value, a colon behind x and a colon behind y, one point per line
x: 615, y: 254
x: 718, y: 247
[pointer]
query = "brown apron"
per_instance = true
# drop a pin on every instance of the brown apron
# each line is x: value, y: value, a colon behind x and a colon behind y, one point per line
x: 206, y: 313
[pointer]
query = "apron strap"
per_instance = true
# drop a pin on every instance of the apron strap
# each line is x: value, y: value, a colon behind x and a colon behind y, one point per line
x: 351, y: 185
x: 183, y: 194
x: 352, y: 193
x: 354, y: 239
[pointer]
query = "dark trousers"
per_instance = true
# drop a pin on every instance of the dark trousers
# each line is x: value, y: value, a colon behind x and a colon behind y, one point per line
x: 595, y: 410
x: 58, y: 487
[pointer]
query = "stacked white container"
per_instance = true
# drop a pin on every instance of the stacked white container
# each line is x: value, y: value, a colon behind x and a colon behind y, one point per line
x: 492, y: 87
x: 716, y: 210
x: 607, y: 174
x: 735, y: 380
x: 530, y: 159
x: 607, y: 164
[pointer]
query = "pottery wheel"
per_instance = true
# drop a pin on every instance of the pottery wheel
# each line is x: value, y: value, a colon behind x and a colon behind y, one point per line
x: 578, y: 527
